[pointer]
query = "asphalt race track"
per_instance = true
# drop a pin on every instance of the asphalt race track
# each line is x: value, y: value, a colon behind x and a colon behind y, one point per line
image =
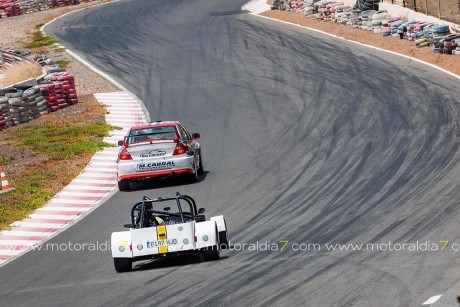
x: 306, y: 138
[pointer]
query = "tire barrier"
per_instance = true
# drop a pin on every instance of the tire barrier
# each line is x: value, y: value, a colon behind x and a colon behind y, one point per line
x: 24, y: 102
x: 10, y: 8
x: 364, y: 16
x: 59, y: 91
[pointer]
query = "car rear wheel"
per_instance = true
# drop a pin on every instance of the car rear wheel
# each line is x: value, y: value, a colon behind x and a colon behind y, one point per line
x: 123, y: 264
x: 201, y: 169
x: 223, y: 240
x: 123, y: 185
x: 210, y: 253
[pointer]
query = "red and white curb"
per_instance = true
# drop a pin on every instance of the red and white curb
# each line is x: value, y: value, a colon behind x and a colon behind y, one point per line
x: 86, y: 192
x: 256, y: 6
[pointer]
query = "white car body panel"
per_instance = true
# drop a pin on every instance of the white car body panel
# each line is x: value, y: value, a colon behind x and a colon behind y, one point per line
x: 146, y: 241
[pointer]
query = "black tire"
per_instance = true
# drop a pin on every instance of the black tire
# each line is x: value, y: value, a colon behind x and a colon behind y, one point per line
x: 123, y: 264
x: 210, y: 253
x: 123, y: 185
x: 201, y: 169
x: 223, y: 240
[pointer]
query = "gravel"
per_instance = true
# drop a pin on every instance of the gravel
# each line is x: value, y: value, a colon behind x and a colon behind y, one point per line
x: 448, y: 62
x: 17, y: 31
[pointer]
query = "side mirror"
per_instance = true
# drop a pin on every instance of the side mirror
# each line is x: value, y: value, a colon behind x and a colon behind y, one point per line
x: 201, y: 210
x: 120, y: 143
x: 195, y: 135
x: 167, y: 209
x: 128, y: 226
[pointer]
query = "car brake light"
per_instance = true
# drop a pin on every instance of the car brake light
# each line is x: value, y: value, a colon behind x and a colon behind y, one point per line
x: 180, y: 149
x: 124, y: 155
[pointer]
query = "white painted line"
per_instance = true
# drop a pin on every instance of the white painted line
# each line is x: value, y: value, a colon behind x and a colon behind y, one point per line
x: 7, y: 252
x: 432, y: 299
x: 77, y: 180
x: 81, y: 194
x: 106, y: 153
x: 102, y: 163
x: 39, y: 215
x: 25, y: 233
x: 62, y: 209
x: 90, y: 175
x: 12, y: 243
x: 100, y: 169
x: 112, y: 159
x: 80, y: 187
x: 37, y: 225
x: 72, y: 201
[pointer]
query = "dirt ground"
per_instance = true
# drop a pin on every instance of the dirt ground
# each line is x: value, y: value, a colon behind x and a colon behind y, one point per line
x: 402, y: 46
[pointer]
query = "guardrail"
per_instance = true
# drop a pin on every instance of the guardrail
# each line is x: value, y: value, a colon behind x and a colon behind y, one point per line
x: 8, y: 58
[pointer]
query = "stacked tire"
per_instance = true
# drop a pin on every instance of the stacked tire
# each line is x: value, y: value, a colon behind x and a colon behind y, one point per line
x: 3, y: 124
x: 36, y: 102
x: 49, y: 93
x: 59, y: 91
x: 18, y: 108
x: 65, y: 88
x: 377, y: 19
x: 5, y: 110
x: 366, y: 5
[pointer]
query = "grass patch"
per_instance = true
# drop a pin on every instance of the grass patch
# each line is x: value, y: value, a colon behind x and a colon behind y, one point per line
x: 21, y: 71
x: 40, y: 40
x: 33, y: 188
x: 6, y: 160
x: 63, y: 63
x: 65, y: 148
x: 61, y: 140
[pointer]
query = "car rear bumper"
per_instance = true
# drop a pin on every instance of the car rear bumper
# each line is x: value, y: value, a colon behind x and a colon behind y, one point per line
x: 156, y: 174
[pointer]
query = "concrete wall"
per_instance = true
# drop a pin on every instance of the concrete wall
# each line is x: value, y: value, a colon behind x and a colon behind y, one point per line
x: 448, y: 10
x: 411, y: 15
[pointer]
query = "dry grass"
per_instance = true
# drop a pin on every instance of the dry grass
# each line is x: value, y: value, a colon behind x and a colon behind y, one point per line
x: 20, y: 71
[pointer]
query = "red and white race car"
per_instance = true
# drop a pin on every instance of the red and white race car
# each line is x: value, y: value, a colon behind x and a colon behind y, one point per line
x: 158, y: 149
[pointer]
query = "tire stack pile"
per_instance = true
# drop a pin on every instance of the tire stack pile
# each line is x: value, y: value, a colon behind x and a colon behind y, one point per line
x: 365, y: 19
x: 49, y: 93
x: 18, y: 108
x: 9, y: 8
x: 25, y: 106
x: 4, y: 112
x: 377, y: 21
x: 59, y: 91
x: 59, y: 3
x: 366, y: 5
x: 296, y: 6
x: 36, y: 102
x: 457, y: 49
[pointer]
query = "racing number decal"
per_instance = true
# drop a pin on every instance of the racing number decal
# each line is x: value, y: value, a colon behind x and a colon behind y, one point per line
x: 161, y: 232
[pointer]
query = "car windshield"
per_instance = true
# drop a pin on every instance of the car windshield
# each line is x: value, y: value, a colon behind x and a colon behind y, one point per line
x: 152, y: 133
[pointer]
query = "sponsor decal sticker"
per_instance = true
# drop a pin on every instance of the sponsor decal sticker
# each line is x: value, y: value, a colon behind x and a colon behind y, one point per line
x: 153, y: 153
x: 155, y: 165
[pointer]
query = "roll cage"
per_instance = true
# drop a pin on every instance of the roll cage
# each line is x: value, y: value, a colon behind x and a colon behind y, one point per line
x: 144, y: 215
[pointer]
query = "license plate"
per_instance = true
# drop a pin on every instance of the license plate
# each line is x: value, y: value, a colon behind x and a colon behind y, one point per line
x: 168, y: 242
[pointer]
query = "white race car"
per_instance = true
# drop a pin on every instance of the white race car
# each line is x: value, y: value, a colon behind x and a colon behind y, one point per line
x: 159, y: 232
x: 158, y: 149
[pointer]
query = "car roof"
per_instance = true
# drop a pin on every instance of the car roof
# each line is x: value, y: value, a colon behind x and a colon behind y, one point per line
x: 169, y: 123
